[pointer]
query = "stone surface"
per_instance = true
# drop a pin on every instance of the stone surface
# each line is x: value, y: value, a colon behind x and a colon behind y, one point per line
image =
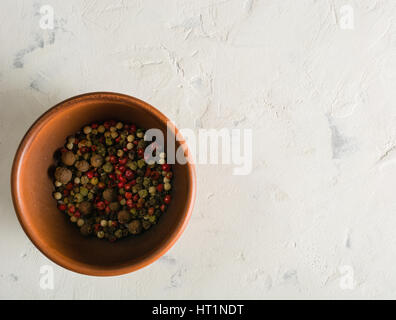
x: 318, y: 208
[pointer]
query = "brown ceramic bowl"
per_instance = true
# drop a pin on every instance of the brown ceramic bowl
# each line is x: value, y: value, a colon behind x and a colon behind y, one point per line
x: 50, y: 230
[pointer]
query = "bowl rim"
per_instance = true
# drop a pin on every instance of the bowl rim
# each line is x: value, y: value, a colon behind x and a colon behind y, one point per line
x: 69, y: 263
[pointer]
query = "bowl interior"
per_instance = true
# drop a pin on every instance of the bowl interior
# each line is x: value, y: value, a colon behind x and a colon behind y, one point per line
x: 51, y: 230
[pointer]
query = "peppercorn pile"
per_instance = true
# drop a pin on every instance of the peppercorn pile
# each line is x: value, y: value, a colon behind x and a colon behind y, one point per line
x: 105, y: 185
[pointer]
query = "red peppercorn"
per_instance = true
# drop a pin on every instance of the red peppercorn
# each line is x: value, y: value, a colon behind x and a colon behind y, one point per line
x: 167, y: 199
x: 129, y: 203
x: 107, y: 202
x: 90, y: 174
x: 113, y: 159
x: 125, y: 149
x: 107, y: 210
x: 107, y: 124
x: 133, y: 182
x: 140, y: 152
x: 129, y: 174
x: 97, y: 226
x: 72, y: 209
x: 155, y: 175
x: 136, y: 197
x: 101, y: 205
x: 77, y: 214
x: 122, y: 169
x: 163, y: 207
x: 122, y: 161
x: 93, y: 148
x: 114, y: 223
x: 165, y: 167
x: 147, y: 173
x: 65, y: 192
x: 127, y: 187
x: 132, y: 129
x: 120, y: 185
x: 118, y: 139
x: 169, y: 175
x: 151, y: 211
x: 69, y: 186
x: 62, y: 207
x: 128, y: 195
x: 135, y: 142
x: 84, y: 149
x: 160, y: 187
x: 94, y: 125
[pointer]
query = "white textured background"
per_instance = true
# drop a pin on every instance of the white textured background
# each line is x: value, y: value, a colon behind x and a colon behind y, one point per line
x: 320, y: 101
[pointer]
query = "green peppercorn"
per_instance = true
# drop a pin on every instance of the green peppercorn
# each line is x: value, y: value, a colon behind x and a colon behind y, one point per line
x: 108, y: 167
x: 141, y: 163
x: 132, y: 165
x: 84, y: 191
x: 78, y: 197
x: 143, y: 193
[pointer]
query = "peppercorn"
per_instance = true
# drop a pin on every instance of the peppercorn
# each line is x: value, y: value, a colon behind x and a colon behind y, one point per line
x: 80, y: 222
x: 167, y: 199
x: 167, y: 186
x: 114, y: 206
x: 96, y: 160
x: 68, y: 158
x: 110, y: 195
x: 123, y: 216
x: 86, y: 229
x: 103, y: 223
x: 107, y: 167
x: 82, y: 165
x: 63, y: 175
x: 135, y: 227
x: 57, y: 195
x: 85, y: 207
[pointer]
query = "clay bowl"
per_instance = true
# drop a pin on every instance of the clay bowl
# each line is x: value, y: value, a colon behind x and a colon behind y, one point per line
x: 50, y: 230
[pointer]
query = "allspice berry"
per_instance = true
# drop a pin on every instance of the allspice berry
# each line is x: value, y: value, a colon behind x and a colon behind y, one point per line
x: 109, y: 195
x: 63, y: 175
x: 86, y: 229
x: 114, y: 206
x: 135, y: 227
x: 85, y: 207
x: 68, y: 158
x: 123, y: 216
x: 96, y: 160
x: 82, y: 166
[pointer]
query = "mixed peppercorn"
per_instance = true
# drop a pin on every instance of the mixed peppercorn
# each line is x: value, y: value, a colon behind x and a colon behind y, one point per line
x: 106, y: 186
